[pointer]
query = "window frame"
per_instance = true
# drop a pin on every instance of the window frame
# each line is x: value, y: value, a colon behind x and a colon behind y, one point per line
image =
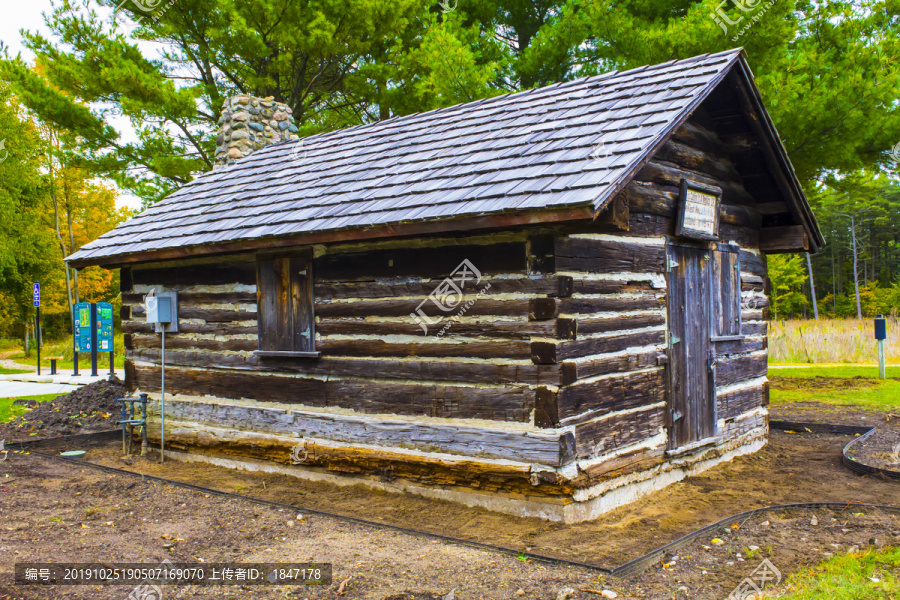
x: 284, y: 292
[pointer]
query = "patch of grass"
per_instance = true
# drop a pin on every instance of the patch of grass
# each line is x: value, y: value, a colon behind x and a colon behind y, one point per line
x: 63, y: 348
x: 832, y: 371
x: 868, y: 575
x: 12, y: 371
x: 9, y: 411
x: 872, y: 394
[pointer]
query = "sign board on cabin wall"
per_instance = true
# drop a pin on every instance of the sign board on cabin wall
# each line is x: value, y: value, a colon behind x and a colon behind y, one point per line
x: 698, y: 211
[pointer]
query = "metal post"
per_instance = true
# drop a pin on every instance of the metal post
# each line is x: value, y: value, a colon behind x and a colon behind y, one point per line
x: 881, y: 373
x: 37, y: 338
x: 162, y: 402
x: 144, y: 428
x: 74, y: 346
x: 93, y: 339
x: 112, y: 362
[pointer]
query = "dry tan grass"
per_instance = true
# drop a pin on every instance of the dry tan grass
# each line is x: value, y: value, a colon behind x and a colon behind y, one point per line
x: 831, y: 341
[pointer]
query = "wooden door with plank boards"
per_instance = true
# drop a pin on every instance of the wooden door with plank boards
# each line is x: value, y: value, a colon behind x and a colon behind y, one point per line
x: 692, y: 406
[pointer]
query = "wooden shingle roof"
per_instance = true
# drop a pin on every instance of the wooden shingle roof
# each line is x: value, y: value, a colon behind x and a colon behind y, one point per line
x: 566, y: 147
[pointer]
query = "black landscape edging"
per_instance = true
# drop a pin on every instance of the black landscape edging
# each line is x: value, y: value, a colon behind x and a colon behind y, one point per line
x: 863, y: 431
x: 624, y: 570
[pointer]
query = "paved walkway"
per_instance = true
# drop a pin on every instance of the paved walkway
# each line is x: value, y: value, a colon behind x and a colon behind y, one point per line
x: 10, y: 389
x: 11, y: 364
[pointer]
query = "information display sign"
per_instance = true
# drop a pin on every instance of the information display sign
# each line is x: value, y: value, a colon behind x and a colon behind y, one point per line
x: 83, y: 327
x: 104, y: 327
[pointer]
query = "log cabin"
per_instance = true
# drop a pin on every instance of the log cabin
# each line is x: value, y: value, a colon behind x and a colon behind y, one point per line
x: 546, y: 303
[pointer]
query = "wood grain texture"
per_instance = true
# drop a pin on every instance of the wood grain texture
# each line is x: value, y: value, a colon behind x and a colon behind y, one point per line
x: 737, y: 368
x: 585, y: 401
x: 572, y: 371
x: 495, y: 404
x: 547, y: 448
x: 548, y: 285
x: 193, y: 275
x: 732, y: 404
x: 415, y: 370
x: 506, y: 257
x: 617, y: 431
x: 365, y: 347
x: 601, y: 256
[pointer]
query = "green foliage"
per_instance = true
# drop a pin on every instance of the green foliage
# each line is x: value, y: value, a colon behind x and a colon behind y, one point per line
x: 788, y: 275
x: 23, y: 243
x: 828, y: 72
x: 872, y: 201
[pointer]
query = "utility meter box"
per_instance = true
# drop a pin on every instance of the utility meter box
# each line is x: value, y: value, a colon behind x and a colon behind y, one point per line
x: 880, y: 328
x: 162, y: 311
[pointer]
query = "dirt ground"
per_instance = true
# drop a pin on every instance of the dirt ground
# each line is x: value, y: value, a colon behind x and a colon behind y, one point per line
x: 65, y: 511
x: 88, y: 409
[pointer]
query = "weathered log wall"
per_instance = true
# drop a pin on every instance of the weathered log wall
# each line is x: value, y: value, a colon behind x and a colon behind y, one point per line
x: 375, y: 359
x: 613, y: 380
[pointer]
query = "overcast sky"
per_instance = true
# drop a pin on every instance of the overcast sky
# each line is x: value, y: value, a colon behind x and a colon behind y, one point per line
x: 26, y: 14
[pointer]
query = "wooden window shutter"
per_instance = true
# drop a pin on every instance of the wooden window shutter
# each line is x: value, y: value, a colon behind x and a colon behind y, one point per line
x: 285, y: 304
x: 726, y: 291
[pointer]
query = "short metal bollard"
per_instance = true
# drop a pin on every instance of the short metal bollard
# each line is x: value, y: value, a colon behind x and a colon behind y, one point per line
x: 880, y: 335
x: 53, y: 366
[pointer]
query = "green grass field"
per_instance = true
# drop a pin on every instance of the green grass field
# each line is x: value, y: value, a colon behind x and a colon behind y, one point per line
x: 870, y: 575
x: 839, y: 385
x: 9, y: 411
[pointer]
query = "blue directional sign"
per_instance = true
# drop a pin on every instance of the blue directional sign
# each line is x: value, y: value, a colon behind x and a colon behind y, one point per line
x: 37, y: 295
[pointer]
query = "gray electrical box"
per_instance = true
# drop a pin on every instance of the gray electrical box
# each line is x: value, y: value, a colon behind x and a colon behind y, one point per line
x: 162, y: 311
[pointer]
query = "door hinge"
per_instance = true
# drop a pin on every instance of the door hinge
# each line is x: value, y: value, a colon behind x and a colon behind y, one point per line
x: 303, y: 272
x: 671, y: 263
x: 677, y: 415
x: 673, y: 339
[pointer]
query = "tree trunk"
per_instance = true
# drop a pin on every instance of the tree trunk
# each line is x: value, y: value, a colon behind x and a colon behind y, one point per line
x: 812, y: 287
x: 855, y: 269
x: 59, y: 239
x: 833, y: 282
x: 71, y: 242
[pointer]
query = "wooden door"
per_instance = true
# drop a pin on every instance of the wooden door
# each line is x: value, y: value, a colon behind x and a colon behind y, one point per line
x: 692, y: 411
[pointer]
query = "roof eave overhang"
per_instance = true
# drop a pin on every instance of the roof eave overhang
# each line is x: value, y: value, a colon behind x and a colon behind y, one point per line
x: 777, y: 157
x: 774, y: 150
x: 478, y: 222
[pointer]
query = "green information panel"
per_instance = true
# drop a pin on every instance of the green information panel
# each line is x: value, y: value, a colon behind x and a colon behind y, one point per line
x: 104, y: 326
x: 83, y: 327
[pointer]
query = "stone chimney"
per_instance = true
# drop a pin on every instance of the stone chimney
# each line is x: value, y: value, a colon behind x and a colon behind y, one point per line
x: 248, y: 124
